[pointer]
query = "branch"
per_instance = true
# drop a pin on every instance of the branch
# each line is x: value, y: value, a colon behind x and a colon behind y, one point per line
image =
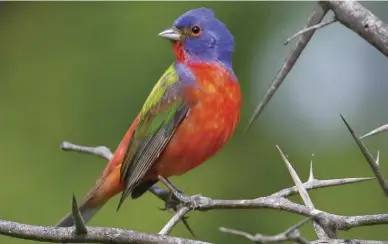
x: 374, y: 164
x: 314, y: 27
x: 94, y: 235
x: 338, y: 222
x: 362, y: 21
x: 348, y: 241
x: 315, y: 18
x: 180, y: 214
x: 291, y: 234
x: 100, y: 151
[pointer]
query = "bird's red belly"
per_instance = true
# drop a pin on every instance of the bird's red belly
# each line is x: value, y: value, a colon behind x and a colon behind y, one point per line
x: 201, y: 134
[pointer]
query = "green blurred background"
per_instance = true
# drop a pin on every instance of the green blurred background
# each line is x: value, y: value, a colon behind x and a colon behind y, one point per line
x: 81, y: 71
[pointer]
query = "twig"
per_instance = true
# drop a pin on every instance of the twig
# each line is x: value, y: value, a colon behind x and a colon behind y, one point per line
x: 315, y: 18
x: 291, y: 234
x: 362, y: 21
x: 348, y: 241
x: 94, y: 235
x: 100, y: 151
x: 374, y: 164
x: 376, y: 131
x: 80, y: 226
x: 314, y: 27
x: 180, y: 214
x: 321, y: 233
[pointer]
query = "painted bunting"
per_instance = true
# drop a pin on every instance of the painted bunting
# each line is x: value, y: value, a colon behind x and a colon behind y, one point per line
x: 191, y: 112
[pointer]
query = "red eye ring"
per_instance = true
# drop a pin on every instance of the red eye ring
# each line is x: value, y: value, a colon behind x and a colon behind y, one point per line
x: 196, y: 30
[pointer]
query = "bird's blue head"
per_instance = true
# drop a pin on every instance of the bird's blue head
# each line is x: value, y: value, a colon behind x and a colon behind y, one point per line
x: 199, y: 35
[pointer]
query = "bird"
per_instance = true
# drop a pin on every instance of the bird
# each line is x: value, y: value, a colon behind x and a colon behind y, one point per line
x: 191, y: 112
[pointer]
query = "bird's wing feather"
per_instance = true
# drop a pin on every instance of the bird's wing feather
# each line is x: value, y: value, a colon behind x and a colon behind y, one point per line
x: 161, y: 114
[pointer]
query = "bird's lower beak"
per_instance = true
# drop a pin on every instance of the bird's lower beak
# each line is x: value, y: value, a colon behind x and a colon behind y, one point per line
x: 172, y: 34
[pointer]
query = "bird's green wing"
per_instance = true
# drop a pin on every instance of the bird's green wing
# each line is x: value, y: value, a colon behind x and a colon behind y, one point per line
x: 161, y: 114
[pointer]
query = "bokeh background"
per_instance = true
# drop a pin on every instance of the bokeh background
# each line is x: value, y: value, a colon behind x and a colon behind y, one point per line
x: 81, y: 71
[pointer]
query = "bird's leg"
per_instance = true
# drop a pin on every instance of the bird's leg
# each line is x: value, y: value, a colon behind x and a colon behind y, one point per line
x: 175, y: 192
x: 170, y: 186
x: 190, y: 201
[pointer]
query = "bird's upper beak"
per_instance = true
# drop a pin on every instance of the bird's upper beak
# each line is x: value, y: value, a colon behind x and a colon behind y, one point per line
x: 172, y: 34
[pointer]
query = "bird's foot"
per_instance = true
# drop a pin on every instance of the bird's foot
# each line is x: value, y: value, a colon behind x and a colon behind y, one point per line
x: 178, y: 198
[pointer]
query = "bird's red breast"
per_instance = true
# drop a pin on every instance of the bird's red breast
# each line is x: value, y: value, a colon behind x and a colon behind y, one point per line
x: 215, y: 111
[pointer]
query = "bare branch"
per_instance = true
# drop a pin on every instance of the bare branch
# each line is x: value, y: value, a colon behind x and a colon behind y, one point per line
x: 94, y: 235
x: 100, y: 151
x: 80, y: 226
x: 314, y: 27
x: 180, y: 214
x: 376, y: 131
x: 369, y: 158
x: 291, y: 234
x: 363, y: 22
x: 315, y: 18
x: 198, y: 202
x: 348, y: 241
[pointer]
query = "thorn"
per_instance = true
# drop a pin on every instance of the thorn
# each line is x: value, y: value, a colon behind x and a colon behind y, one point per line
x: 184, y: 221
x: 311, y: 176
x: 376, y: 131
x: 311, y: 28
x: 378, y: 158
x: 369, y: 158
x: 80, y: 227
x: 298, y: 225
x: 350, y: 180
x: 299, y: 184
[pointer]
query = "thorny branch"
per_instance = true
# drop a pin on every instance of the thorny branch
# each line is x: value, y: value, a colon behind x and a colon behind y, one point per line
x: 277, y: 201
x: 352, y: 15
x: 315, y: 18
x: 373, y: 163
x: 291, y: 234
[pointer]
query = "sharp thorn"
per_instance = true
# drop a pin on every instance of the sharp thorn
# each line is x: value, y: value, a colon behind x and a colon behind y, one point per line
x: 311, y: 176
x: 376, y: 131
x: 80, y: 226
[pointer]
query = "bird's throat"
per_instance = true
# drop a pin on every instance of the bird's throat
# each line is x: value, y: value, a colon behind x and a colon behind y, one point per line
x: 179, y: 52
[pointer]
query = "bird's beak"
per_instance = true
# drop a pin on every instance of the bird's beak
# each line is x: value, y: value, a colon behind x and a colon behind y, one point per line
x: 171, y: 34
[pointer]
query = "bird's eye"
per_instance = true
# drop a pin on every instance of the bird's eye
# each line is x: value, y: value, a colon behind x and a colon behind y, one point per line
x: 196, y: 30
